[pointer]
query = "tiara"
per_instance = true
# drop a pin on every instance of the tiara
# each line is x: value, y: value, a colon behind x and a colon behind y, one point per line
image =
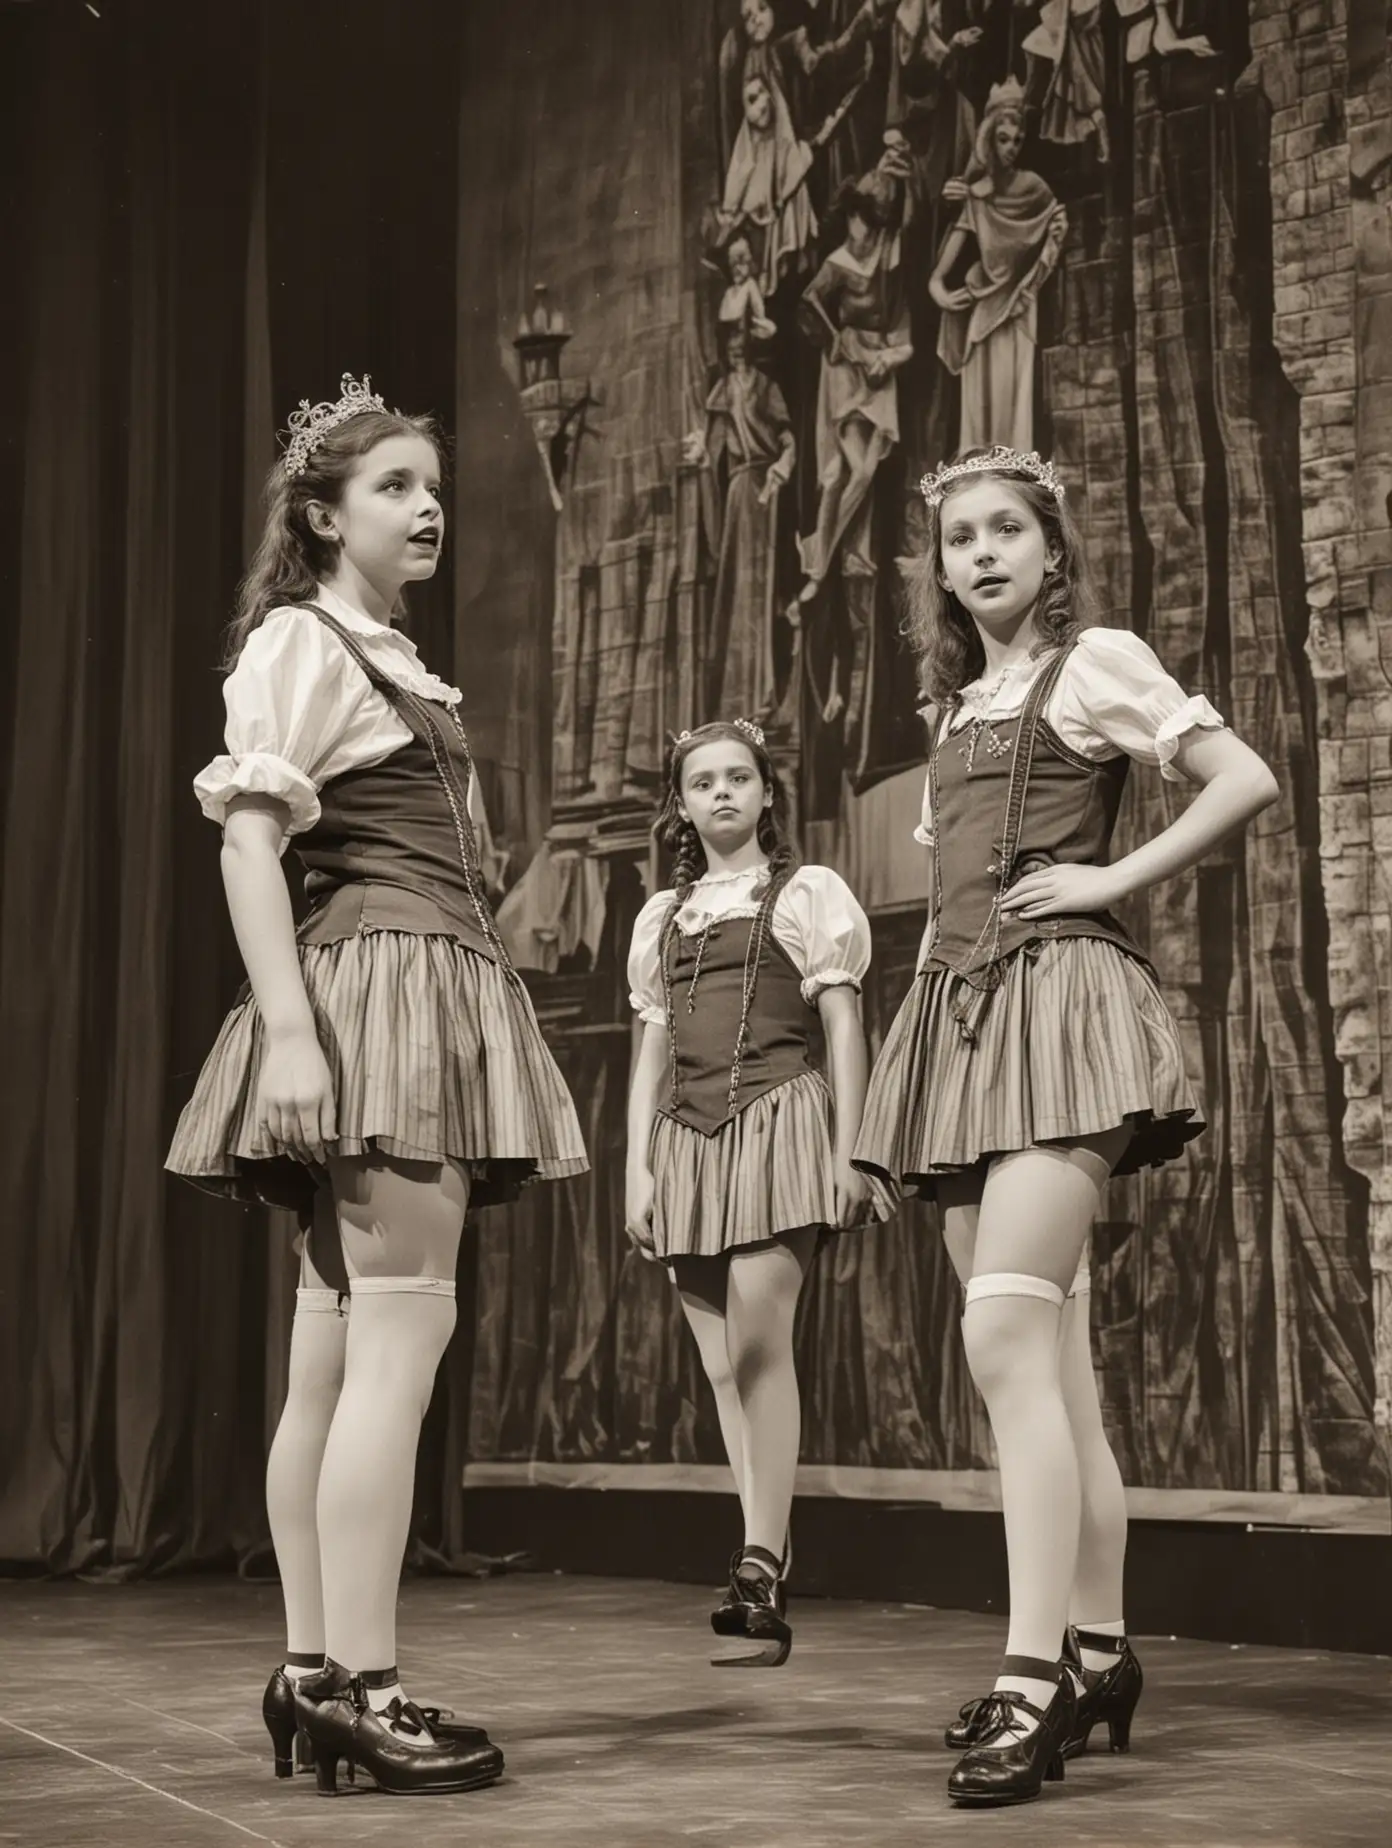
x: 310, y: 424
x: 751, y: 731
x: 1007, y: 95
x: 1000, y: 459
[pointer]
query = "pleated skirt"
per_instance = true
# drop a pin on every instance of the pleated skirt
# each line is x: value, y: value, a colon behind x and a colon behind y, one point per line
x: 435, y: 1054
x: 766, y: 1172
x: 1077, y: 1039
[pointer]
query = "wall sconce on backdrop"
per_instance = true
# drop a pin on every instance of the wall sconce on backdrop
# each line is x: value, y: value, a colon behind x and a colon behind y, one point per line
x: 558, y: 423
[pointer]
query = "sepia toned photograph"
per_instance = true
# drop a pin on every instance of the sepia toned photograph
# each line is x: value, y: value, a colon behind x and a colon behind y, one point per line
x: 696, y: 922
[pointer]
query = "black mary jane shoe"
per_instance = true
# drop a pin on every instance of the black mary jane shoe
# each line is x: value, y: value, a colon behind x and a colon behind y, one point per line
x: 974, y: 1715
x: 1108, y: 1696
x: 289, y: 1740
x: 291, y: 1744
x: 755, y: 1607
x: 396, y: 1748
x: 1002, y: 1767
x: 728, y: 1617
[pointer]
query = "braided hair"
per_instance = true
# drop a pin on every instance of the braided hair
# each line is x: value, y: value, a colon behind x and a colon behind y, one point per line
x: 677, y: 833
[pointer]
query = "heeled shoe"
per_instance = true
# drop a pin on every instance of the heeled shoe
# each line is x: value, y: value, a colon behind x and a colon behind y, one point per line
x: 728, y: 1617
x: 291, y: 1743
x: 755, y: 1606
x: 1001, y: 1767
x: 974, y: 1715
x: 396, y: 1748
x: 1109, y: 1695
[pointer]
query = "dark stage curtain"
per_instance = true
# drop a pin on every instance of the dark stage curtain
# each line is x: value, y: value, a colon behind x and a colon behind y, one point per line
x: 211, y: 211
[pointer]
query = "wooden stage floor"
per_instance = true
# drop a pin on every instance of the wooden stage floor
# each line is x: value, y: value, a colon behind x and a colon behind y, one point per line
x: 130, y: 1718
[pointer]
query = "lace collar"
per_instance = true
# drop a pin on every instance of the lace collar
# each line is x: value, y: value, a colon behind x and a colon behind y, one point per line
x: 393, y: 652
x: 721, y: 895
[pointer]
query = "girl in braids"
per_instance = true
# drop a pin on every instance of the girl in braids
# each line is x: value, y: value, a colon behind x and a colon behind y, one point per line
x: 382, y: 1071
x: 738, y: 1154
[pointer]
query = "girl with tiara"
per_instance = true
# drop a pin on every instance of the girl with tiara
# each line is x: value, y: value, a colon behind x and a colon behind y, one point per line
x: 1033, y: 1057
x: 738, y: 1153
x: 382, y: 1071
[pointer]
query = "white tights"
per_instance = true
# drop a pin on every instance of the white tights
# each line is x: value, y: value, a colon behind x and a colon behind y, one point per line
x: 341, y: 1473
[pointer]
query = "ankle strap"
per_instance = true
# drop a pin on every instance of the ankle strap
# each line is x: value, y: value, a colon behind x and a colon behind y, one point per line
x: 761, y: 1556
x: 1034, y: 1668
x: 1102, y: 1643
x: 379, y: 1677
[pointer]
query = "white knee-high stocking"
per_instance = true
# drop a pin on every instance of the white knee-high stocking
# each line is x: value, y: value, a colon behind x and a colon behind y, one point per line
x: 1096, y: 1600
x: 318, y: 1340
x: 1011, y: 1330
x: 398, y: 1330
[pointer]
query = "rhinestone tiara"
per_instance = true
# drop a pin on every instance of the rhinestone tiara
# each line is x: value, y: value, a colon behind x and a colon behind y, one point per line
x: 747, y: 726
x: 998, y: 460
x: 309, y: 425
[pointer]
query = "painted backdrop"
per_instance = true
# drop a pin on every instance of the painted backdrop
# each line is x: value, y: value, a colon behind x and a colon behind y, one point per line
x: 789, y: 256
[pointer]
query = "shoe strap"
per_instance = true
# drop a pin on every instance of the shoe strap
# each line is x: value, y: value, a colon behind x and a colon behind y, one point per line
x: 331, y: 1682
x: 379, y: 1677
x: 405, y: 1717
x: 1103, y: 1644
x: 995, y: 1713
x: 1035, y: 1668
x: 762, y: 1557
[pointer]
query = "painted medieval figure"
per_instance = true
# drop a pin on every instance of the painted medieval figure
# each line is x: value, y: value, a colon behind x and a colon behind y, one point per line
x: 1015, y: 227
x: 854, y: 309
x: 748, y: 441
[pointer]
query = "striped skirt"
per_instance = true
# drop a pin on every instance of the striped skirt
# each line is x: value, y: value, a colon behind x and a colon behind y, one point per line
x: 435, y: 1055
x: 767, y: 1171
x: 1077, y: 1039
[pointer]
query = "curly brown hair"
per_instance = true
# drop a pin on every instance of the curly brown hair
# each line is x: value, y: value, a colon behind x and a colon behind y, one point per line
x: 950, y: 655
x: 292, y: 558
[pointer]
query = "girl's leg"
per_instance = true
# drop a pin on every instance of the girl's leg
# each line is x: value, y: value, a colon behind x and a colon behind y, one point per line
x: 1036, y: 1210
x: 400, y: 1224
x: 761, y: 1306
x: 958, y: 1199
x: 318, y: 1339
x: 702, y: 1285
x: 1095, y: 1602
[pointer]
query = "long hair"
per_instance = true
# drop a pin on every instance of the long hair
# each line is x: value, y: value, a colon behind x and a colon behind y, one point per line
x: 679, y: 836
x: 292, y: 558
x: 945, y: 638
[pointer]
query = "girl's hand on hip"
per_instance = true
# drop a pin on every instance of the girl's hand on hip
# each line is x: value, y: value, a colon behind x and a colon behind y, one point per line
x: 1058, y: 891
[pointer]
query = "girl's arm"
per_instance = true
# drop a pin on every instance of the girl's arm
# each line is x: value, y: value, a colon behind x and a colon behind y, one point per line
x: 1236, y: 785
x: 259, y: 902
x: 848, y: 1070
x: 649, y: 1073
x: 296, y: 1087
